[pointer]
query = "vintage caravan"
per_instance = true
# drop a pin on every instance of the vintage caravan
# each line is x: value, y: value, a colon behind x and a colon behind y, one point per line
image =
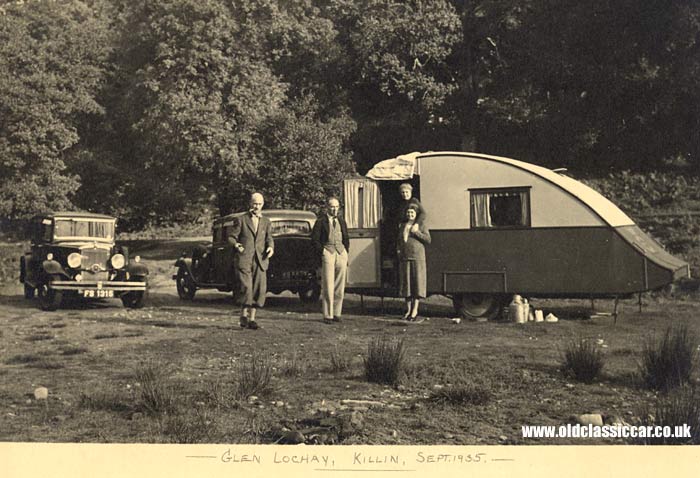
x: 500, y: 227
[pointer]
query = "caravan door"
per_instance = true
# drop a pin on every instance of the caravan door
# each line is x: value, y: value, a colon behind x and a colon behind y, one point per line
x: 363, y: 206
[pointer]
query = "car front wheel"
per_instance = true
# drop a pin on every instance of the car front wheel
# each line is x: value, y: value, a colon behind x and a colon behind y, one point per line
x: 29, y: 291
x: 135, y: 299
x: 186, y: 288
x: 49, y: 298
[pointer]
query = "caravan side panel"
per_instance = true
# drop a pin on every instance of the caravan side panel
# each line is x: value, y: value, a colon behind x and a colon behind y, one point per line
x: 564, y: 262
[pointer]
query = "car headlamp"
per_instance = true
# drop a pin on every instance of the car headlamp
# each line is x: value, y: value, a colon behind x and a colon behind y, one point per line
x: 49, y: 256
x: 118, y: 261
x: 137, y: 259
x: 74, y: 260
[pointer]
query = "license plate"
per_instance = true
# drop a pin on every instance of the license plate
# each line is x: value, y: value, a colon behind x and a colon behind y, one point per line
x: 98, y: 294
x: 294, y: 275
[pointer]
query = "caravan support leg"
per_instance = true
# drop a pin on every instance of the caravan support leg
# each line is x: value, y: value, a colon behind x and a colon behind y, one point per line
x: 639, y: 302
x: 362, y: 303
x: 617, y: 301
x: 592, y: 305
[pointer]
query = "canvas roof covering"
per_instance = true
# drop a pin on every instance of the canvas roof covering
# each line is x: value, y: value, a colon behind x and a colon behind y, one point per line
x: 398, y: 168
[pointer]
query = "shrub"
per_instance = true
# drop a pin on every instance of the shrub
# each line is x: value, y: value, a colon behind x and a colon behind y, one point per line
x: 72, y: 350
x: 292, y: 367
x: 192, y: 426
x: 385, y: 360
x: 103, y: 400
x: 681, y: 406
x: 634, y: 191
x: 583, y: 360
x: 669, y: 362
x: 23, y: 358
x: 39, y: 336
x: 156, y: 393
x: 461, y: 393
x: 110, y: 335
x: 254, y: 377
x: 340, y: 362
x: 46, y: 364
x: 220, y: 395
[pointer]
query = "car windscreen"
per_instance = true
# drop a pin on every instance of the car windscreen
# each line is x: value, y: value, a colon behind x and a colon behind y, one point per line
x: 290, y: 227
x: 84, y: 228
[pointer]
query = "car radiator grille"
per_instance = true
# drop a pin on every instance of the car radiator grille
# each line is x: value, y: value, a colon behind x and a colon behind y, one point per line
x: 92, y: 258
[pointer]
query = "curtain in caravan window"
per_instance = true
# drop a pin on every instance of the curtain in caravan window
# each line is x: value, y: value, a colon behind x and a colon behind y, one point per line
x: 351, y: 192
x: 525, y: 211
x: 372, y: 209
x: 481, y: 210
x: 363, y: 206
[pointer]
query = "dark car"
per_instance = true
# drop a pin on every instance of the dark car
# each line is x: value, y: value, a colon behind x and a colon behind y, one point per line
x: 74, y: 254
x: 293, y: 267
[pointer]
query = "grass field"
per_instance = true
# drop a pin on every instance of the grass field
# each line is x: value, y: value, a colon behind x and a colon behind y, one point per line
x: 184, y: 372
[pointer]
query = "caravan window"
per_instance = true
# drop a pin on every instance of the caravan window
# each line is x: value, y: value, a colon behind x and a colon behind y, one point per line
x: 499, y: 208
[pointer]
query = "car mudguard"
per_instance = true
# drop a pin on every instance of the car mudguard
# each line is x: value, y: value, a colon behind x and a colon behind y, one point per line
x: 136, y: 269
x: 53, y: 268
x: 184, y: 261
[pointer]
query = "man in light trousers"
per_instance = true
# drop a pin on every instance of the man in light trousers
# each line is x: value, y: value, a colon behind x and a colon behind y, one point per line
x: 331, y: 240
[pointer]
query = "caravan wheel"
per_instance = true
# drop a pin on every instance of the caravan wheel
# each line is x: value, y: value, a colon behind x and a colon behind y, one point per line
x: 477, y: 306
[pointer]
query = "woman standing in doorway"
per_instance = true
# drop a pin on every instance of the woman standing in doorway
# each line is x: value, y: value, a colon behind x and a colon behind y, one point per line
x: 412, y: 238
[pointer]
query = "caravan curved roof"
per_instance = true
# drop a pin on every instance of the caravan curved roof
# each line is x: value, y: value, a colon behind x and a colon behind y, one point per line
x: 602, y: 206
x: 593, y: 200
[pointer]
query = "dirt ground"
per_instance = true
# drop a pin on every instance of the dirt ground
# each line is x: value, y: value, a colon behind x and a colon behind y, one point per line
x: 89, y: 354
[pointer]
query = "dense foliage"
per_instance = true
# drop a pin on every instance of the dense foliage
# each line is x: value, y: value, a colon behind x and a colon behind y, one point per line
x: 160, y: 110
x: 52, y: 61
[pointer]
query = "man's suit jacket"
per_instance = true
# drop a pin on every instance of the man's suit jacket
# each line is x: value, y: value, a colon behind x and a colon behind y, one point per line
x: 319, y: 235
x: 254, y: 244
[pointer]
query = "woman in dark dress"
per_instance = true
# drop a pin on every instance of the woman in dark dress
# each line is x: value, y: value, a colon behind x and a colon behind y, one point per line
x: 412, y: 238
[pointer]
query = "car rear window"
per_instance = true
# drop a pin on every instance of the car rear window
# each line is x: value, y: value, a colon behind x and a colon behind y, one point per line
x: 290, y: 227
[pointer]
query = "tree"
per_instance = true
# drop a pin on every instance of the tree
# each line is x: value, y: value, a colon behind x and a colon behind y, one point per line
x: 51, y: 65
x: 606, y: 84
x: 196, y: 82
x: 392, y: 63
x: 198, y: 90
x: 306, y: 157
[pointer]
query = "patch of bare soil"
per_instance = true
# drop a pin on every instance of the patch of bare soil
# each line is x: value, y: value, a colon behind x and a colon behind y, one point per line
x: 172, y: 372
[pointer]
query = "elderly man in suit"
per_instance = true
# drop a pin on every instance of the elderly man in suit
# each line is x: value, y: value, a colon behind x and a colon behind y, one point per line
x: 252, y: 237
x: 331, y: 240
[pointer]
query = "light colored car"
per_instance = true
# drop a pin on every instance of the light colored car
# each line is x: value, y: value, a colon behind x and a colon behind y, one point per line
x: 75, y: 254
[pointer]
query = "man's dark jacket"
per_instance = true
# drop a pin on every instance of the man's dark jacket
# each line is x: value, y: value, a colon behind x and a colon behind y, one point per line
x: 319, y: 235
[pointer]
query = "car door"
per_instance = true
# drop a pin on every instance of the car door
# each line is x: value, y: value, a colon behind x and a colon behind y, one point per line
x: 223, y: 253
x: 218, y: 249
